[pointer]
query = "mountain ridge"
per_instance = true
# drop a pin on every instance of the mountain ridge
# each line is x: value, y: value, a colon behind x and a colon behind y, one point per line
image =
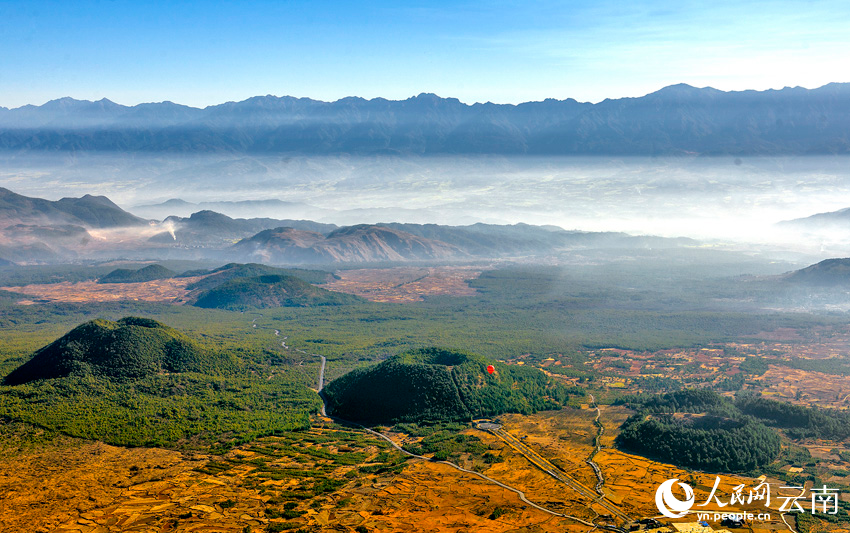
x: 86, y: 211
x: 359, y: 243
x: 678, y: 119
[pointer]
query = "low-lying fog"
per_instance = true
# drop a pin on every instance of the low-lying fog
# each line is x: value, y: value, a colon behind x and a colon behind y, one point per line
x: 725, y: 198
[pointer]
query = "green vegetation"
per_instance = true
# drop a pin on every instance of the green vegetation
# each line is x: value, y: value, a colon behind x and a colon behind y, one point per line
x: 183, y: 410
x: 251, y: 270
x: 270, y: 291
x: 138, y: 382
x: 537, y: 312
x: 130, y: 348
x: 434, y: 384
x: 836, y: 366
x: 148, y: 273
x: 445, y: 442
x: 708, y: 443
x: 798, y: 421
x: 754, y: 365
x: 714, y: 436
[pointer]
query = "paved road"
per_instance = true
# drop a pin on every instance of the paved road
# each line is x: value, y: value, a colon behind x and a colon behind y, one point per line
x: 479, y: 474
x: 321, y: 385
x: 544, y: 464
x: 600, y: 480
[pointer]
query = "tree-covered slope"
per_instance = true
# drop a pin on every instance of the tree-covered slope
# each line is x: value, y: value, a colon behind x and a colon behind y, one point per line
x: 127, y: 349
x: 127, y: 275
x: 269, y: 291
x: 250, y: 270
x: 698, y: 428
x: 436, y: 384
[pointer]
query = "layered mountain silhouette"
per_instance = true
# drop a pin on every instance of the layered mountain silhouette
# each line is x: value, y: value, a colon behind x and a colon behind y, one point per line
x: 832, y: 220
x: 678, y: 119
x: 357, y: 244
x: 35, y: 229
x: 209, y: 227
x: 42, y: 230
x: 88, y: 211
x: 177, y: 207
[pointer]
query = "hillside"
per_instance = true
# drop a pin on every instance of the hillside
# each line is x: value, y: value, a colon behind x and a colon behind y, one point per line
x: 214, y: 278
x: 436, y: 384
x: 210, y: 227
x: 829, y: 272
x: 699, y: 428
x: 353, y: 244
x: 678, y: 119
x: 88, y: 211
x: 269, y: 291
x: 247, y: 209
x: 127, y: 349
x: 148, y: 273
x: 831, y: 220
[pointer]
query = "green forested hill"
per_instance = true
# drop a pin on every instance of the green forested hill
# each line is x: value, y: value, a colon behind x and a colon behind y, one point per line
x: 127, y: 349
x: 270, y: 291
x: 436, y: 384
x: 148, y: 273
x: 137, y: 382
x: 251, y: 270
x: 698, y: 428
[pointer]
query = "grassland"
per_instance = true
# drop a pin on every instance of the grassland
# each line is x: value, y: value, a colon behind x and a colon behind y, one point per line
x: 234, y: 452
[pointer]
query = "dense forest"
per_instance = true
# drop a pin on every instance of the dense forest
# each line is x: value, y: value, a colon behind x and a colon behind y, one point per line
x: 697, y: 428
x: 138, y: 382
x: 435, y: 384
x: 127, y: 349
x: 148, y: 273
x: 270, y: 291
x: 709, y: 443
x: 798, y: 421
x: 215, y: 277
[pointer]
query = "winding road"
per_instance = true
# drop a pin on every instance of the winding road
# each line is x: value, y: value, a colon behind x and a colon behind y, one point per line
x: 600, y: 480
x: 544, y: 464
x: 553, y: 471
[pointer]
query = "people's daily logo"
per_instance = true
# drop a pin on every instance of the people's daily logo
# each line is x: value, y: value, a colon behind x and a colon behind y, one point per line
x: 793, y: 499
x: 668, y: 504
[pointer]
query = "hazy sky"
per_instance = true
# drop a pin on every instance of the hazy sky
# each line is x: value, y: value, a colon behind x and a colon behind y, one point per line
x: 201, y: 53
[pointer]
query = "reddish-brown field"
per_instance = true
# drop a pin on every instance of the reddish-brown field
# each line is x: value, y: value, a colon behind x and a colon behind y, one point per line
x: 402, y: 284
x: 405, y: 284
x: 164, y: 290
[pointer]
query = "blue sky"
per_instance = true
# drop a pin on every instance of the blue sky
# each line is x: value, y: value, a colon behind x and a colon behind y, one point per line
x: 202, y: 53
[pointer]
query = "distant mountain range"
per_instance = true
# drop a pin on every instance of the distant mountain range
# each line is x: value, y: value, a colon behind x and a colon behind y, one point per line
x: 208, y: 227
x: 359, y: 244
x: 88, y: 211
x: 38, y: 230
x: 827, y: 273
x: 831, y: 220
x: 243, y: 208
x: 678, y: 119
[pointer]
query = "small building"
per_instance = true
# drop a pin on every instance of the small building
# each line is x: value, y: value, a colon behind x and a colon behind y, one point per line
x: 691, y: 527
